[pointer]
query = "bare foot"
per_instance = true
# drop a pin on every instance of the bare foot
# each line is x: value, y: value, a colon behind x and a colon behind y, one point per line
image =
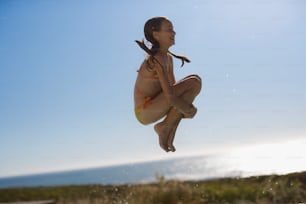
x: 171, y: 139
x: 172, y: 136
x: 163, y: 134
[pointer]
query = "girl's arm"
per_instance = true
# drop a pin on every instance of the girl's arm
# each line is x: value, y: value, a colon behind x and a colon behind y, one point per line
x: 170, y: 73
x: 167, y: 81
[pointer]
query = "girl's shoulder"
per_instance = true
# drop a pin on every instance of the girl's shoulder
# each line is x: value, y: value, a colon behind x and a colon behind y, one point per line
x: 149, y: 64
x: 147, y: 70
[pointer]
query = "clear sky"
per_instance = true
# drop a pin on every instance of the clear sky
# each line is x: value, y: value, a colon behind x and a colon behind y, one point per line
x: 67, y: 72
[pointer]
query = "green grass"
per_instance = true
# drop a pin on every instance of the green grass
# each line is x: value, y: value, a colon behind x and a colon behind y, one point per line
x: 289, y: 188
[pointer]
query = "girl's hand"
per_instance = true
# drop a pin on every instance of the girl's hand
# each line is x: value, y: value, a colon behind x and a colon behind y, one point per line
x: 191, y: 112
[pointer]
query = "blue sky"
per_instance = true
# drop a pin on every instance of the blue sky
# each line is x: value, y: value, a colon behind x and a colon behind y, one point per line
x: 67, y: 73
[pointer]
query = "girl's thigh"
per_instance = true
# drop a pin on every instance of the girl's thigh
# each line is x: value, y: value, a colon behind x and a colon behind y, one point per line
x: 156, y: 109
x: 187, y: 83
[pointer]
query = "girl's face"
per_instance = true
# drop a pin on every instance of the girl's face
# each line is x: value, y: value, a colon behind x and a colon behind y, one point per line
x: 166, y: 35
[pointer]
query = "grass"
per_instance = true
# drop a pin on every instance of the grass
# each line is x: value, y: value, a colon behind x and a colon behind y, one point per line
x: 290, y: 188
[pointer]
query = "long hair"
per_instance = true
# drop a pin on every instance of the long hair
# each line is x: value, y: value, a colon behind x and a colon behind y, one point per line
x: 154, y: 24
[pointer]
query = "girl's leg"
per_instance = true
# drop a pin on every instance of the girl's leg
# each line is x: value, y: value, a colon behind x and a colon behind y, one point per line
x: 155, y: 109
x: 173, y: 131
x: 166, y: 129
x: 187, y: 88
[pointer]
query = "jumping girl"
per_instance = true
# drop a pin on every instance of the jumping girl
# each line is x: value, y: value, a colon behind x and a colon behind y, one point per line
x: 156, y: 94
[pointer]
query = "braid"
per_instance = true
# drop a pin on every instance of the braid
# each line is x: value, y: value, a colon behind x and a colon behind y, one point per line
x: 153, y: 51
x: 144, y: 47
x: 181, y: 57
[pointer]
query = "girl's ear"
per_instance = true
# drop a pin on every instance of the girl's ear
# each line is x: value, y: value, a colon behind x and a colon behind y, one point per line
x: 156, y: 35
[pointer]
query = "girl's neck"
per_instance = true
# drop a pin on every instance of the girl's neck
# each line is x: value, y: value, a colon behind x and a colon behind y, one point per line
x: 163, y: 51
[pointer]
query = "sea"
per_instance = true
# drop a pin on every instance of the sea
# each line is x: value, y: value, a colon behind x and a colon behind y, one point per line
x: 184, y: 168
x: 199, y: 167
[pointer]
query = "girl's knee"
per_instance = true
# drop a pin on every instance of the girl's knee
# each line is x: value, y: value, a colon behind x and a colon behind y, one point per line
x: 194, y: 79
x: 196, y: 82
x: 191, y: 83
x: 197, y: 78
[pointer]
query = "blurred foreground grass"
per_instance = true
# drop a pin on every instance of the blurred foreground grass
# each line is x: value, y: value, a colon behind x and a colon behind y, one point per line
x: 289, y: 188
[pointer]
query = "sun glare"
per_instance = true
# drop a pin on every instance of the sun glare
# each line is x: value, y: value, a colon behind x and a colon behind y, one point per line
x: 271, y: 158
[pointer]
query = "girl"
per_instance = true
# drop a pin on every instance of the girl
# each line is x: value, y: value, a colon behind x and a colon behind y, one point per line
x: 157, y: 95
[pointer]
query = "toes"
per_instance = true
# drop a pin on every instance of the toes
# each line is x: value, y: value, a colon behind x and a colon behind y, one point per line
x: 172, y: 148
x: 166, y: 148
x: 165, y: 139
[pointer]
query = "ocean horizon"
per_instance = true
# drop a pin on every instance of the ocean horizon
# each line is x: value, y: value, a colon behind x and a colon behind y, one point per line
x: 200, y: 167
x: 183, y: 168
